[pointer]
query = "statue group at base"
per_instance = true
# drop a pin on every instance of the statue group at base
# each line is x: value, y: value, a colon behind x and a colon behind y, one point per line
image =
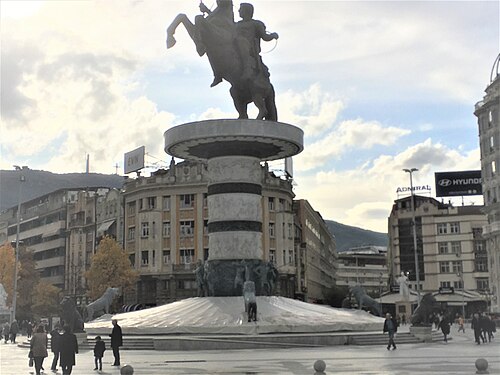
x: 233, y: 50
x: 70, y: 315
x: 426, y: 309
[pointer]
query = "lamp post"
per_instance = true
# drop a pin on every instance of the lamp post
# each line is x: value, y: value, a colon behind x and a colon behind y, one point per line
x: 18, y: 218
x: 417, y: 273
x: 461, y: 276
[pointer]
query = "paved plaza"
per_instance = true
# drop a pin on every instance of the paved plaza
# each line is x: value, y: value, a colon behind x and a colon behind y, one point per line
x: 455, y: 357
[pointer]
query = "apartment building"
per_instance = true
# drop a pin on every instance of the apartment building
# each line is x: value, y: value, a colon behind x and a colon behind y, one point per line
x: 365, y: 266
x: 316, y: 253
x: 487, y: 112
x: 451, y: 249
x: 166, y: 230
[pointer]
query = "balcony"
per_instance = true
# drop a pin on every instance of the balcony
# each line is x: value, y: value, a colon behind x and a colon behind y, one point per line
x: 50, y: 262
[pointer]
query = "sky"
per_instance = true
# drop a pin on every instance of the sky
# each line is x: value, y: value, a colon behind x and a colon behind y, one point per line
x: 376, y: 86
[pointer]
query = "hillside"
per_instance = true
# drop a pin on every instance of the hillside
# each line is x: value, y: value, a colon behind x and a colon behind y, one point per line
x: 347, y: 236
x: 39, y: 183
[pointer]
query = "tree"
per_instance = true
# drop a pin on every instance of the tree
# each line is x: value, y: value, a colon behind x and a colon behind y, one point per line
x: 46, y: 298
x: 110, y: 267
x: 28, y: 279
x: 7, y: 261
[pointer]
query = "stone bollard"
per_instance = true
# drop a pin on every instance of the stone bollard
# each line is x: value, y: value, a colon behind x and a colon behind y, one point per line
x: 319, y: 367
x: 482, y: 366
x: 127, y: 370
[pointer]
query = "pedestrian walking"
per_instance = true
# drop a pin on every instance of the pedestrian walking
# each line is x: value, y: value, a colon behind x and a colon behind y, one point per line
x: 391, y: 327
x: 444, y: 324
x: 14, y: 329
x: 116, y: 341
x: 68, y: 347
x: 55, y: 338
x: 29, y: 329
x: 38, y: 347
x: 6, y: 332
x: 484, y: 324
x: 489, y: 327
x: 99, y: 349
x: 461, y: 324
x: 475, y: 325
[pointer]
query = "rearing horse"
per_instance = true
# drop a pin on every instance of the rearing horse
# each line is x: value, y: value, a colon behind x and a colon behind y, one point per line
x: 229, y: 55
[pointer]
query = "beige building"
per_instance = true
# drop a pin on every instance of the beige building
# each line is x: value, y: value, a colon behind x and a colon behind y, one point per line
x: 451, y: 249
x: 316, y: 256
x: 488, y: 114
x: 166, y: 230
x: 365, y: 266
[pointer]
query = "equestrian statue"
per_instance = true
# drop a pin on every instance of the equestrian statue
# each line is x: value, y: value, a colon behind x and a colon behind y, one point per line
x: 233, y: 50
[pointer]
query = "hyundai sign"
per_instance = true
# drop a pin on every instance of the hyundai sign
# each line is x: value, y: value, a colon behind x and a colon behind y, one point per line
x: 449, y: 184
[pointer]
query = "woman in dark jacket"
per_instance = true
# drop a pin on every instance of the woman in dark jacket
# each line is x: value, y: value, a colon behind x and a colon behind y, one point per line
x: 444, y: 324
x: 38, y: 347
x: 68, y: 347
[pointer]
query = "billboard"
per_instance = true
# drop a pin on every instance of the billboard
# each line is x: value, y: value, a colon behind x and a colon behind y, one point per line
x: 449, y: 184
x: 134, y: 160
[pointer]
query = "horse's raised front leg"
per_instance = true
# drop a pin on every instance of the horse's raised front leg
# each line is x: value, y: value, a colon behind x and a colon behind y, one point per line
x: 181, y: 18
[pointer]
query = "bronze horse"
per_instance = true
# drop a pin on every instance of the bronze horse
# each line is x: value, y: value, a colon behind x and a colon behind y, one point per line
x: 216, y: 36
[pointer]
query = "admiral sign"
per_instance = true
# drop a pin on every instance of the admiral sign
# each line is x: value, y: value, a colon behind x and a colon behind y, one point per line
x: 449, y: 184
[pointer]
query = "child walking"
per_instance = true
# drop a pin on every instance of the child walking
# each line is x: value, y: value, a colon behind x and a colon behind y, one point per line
x: 99, y: 349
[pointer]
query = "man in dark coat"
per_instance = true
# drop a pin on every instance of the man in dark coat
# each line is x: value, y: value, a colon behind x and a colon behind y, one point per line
x: 476, y: 326
x: 54, y: 346
x: 14, y: 330
x: 444, y: 324
x: 391, y: 327
x: 68, y: 347
x: 116, y: 341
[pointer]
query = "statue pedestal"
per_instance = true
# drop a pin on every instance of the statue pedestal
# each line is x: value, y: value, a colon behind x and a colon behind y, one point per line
x: 233, y: 151
x: 404, y: 307
x: 423, y: 333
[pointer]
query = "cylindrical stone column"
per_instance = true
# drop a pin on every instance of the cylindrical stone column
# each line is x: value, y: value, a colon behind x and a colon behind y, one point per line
x: 233, y: 150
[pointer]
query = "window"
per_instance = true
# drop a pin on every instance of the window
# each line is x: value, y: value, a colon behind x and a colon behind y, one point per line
x: 442, y: 228
x: 140, y: 204
x: 479, y: 246
x: 445, y: 284
x: 281, y: 203
x: 205, y: 200
x: 456, y: 248
x: 166, y: 229
x: 153, y: 257
x: 492, y: 143
x: 131, y: 234
x: 482, y: 284
x: 131, y: 258
x: 456, y: 266
x: 144, y: 229
x: 458, y: 284
x: 493, y: 168
x: 205, y: 254
x: 205, y: 227
x: 131, y: 208
x: 166, y: 256
x: 144, y: 258
x: 444, y: 267
x: 443, y: 247
x: 151, y: 203
x: 272, y: 256
x: 186, y: 284
x: 283, y: 229
x: 187, y: 228
x: 270, y: 203
x: 166, y: 202
x: 455, y: 227
x: 187, y: 256
x: 187, y: 200
x: 291, y: 257
x: 290, y: 231
x: 481, y: 264
x: 284, y: 257
x: 272, y: 230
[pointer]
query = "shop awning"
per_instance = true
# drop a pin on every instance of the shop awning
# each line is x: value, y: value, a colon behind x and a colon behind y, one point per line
x: 104, y: 227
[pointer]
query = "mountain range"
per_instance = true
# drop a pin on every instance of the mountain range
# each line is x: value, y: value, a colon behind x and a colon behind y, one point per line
x: 38, y: 183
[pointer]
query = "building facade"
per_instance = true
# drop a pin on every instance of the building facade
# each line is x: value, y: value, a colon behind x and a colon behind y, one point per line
x: 166, y: 231
x: 365, y: 266
x: 316, y: 253
x: 487, y: 112
x: 451, y: 249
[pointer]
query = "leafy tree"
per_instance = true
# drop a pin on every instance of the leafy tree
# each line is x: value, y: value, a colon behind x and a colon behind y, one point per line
x: 7, y: 261
x: 110, y: 267
x: 46, y: 299
x: 28, y: 279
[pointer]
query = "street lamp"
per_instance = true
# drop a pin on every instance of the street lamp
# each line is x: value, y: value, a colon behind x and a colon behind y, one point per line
x: 14, y: 297
x: 461, y: 276
x: 417, y: 273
